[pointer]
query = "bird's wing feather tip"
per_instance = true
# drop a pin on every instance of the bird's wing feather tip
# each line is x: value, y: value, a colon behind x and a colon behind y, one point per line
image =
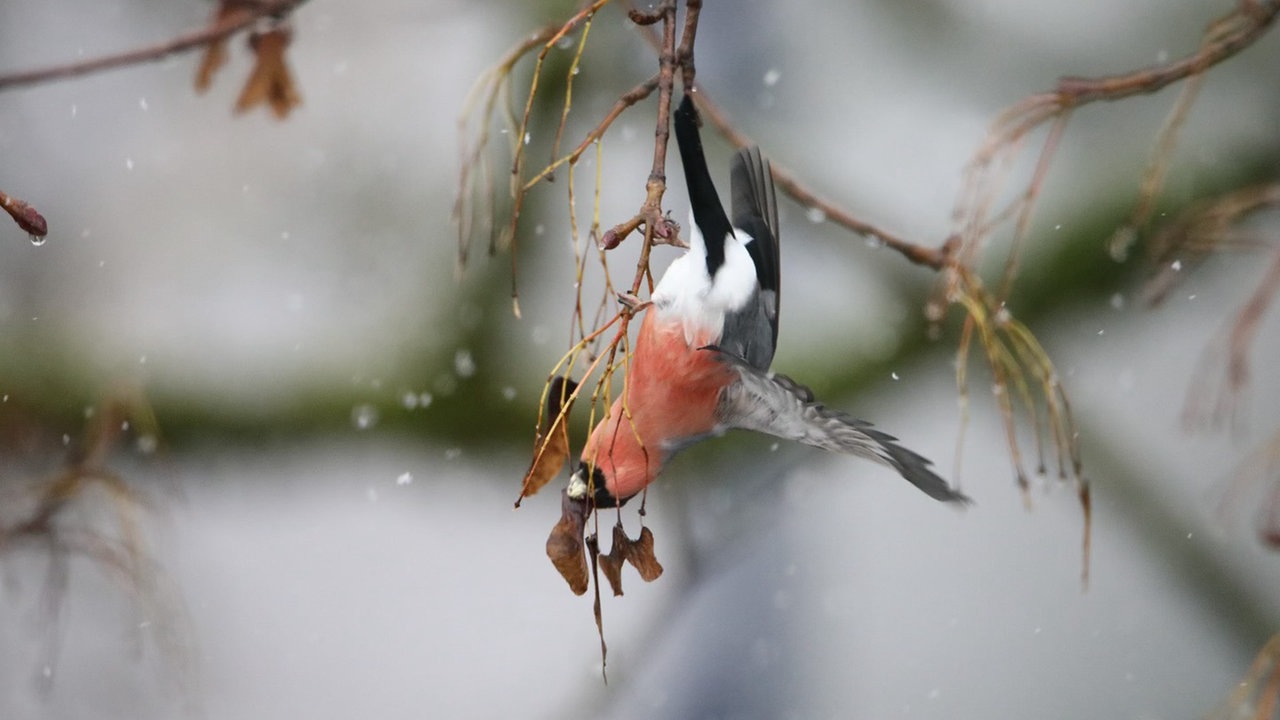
x: 943, y: 492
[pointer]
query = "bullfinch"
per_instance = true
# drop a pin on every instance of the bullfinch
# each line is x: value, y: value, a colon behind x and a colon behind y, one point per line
x: 700, y: 364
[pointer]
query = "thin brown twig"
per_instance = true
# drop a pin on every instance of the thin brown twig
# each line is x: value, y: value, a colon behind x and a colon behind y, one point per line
x: 656, y: 186
x: 1157, y: 168
x: 1222, y: 373
x: 518, y: 139
x: 1204, y: 227
x: 571, y: 73
x: 626, y: 100
x: 471, y: 155
x: 684, y: 54
x: 252, y: 11
x: 1214, y: 403
x: 1022, y: 225
x: 584, y: 15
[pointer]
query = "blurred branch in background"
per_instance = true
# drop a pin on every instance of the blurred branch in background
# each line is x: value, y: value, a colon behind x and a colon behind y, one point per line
x: 1257, y: 697
x: 1261, y: 468
x: 269, y: 80
x: 1204, y: 228
x: 86, y: 510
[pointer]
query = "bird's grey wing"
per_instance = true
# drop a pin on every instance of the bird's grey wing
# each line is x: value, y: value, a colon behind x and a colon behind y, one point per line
x: 750, y: 333
x: 779, y: 406
x: 755, y: 211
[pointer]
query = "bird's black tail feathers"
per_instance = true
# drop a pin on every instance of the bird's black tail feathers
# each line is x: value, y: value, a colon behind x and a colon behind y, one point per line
x: 708, y: 213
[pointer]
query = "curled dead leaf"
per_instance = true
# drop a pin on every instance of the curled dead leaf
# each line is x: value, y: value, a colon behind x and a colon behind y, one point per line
x: 641, y: 556
x: 612, y: 563
x: 565, y: 545
x: 551, y: 447
x: 638, y: 552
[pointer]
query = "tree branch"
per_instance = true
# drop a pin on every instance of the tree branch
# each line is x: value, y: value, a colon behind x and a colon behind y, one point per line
x: 1225, y: 37
x: 250, y: 11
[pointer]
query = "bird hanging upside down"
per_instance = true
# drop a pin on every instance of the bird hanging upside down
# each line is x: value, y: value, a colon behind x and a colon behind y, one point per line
x: 701, y: 359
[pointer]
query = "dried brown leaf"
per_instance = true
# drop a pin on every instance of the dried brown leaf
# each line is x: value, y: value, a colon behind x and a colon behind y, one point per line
x: 640, y: 555
x: 551, y: 449
x: 638, y: 552
x: 215, y: 56
x: 565, y: 546
x: 270, y: 81
x: 552, y: 452
x: 611, y: 565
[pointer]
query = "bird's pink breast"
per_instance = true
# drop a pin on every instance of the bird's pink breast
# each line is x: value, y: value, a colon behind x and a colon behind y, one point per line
x: 671, y: 393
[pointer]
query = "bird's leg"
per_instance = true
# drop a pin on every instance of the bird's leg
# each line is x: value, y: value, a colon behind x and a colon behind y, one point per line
x: 667, y: 232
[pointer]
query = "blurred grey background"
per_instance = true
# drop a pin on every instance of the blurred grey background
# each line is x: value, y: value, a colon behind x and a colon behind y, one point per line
x: 345, y: 423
